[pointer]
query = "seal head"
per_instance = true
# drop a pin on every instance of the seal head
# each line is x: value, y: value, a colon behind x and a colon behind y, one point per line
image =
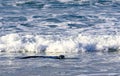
x: 61, y: 57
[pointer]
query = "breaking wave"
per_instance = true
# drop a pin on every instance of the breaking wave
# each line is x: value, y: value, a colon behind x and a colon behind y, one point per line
x: 66, y: 26
x: 40, y: 44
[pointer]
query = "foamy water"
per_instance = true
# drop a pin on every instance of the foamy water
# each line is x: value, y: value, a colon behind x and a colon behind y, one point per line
x: 84, y: 29
x: 48, y: 44
x: 59, y: 26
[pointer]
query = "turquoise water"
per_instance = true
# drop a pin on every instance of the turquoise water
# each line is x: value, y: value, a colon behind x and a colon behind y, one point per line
x: 54, y: 27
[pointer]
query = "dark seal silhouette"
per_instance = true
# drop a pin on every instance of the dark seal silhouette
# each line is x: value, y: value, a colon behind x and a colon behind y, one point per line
x: 52, y: 57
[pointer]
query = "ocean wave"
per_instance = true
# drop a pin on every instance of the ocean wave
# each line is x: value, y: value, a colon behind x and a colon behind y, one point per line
x: 40, y: 44
x: 59, y: 26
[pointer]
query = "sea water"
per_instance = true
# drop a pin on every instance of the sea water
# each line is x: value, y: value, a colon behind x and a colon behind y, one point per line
x: 86, y: 29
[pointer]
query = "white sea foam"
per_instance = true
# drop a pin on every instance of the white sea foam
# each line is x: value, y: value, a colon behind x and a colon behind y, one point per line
x: 80, y: 43
x: 93, y: 29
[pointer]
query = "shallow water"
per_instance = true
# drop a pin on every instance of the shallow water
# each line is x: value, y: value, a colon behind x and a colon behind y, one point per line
x: 88, y: 64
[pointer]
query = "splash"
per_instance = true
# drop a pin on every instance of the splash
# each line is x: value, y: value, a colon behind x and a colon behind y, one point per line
x: 32, y: 43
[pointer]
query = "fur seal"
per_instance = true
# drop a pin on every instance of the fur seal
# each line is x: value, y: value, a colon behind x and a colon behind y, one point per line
x: 51, y: 57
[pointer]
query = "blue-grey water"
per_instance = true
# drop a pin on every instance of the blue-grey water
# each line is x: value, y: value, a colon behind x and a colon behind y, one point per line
x: 86, y: 29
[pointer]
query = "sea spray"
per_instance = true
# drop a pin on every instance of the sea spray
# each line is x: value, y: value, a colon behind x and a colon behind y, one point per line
x: 31, y: 43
